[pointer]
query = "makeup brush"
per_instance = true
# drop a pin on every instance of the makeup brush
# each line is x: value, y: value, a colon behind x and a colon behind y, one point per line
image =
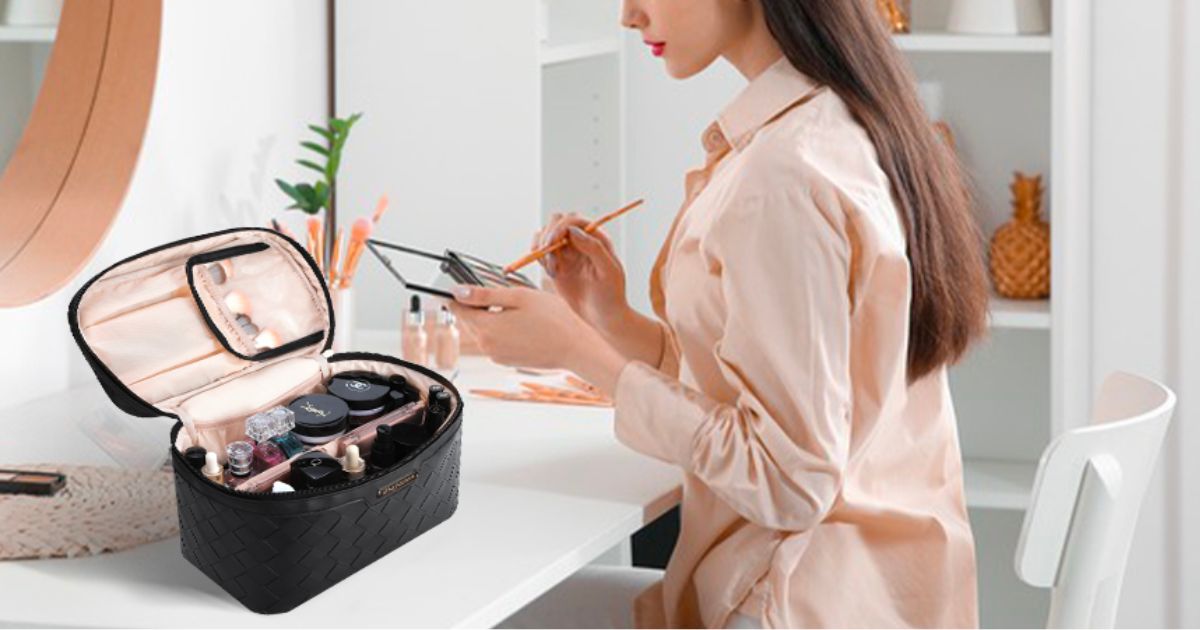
x: 314, y: 232
x: 282, y: 229
x: 380, y: 208
x: 536, y: 398
x: 358, y: 238
x: 540, y: 253
x: 333, y: 258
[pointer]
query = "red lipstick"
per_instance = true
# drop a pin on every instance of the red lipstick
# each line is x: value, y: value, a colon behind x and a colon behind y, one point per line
x: 656, y: 48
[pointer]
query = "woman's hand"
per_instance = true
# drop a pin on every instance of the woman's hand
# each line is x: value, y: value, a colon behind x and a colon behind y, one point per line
x: 530, y: 328
x: 586, y: 273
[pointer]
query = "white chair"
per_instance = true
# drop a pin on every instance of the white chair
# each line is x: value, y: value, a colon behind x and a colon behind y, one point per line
x: 1086, y: 498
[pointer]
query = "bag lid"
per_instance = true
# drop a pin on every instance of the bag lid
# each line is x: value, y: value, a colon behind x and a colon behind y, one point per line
x: 162, y: 324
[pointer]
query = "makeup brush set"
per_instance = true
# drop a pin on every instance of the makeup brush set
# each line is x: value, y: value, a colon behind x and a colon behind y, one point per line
x: 293, y: 469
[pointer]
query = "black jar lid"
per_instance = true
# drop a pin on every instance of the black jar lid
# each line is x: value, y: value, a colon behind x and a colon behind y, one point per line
x: 360, y: 392
x: 319, y: 415
x: 194, y: 456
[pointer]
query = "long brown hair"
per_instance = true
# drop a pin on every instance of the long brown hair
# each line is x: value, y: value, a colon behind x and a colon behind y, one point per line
x: 843, y: 44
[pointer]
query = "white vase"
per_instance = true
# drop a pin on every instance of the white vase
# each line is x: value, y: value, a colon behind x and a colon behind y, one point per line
x: 343, y: 319
x: 32, y: 12
x: 997, y: 17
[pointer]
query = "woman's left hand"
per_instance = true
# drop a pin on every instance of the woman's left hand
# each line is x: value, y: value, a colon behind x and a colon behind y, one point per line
x: 529, y: 329
x: 536, y: 329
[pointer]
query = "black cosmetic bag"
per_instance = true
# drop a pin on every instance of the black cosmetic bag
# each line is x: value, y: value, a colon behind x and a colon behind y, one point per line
x: 162, y: 334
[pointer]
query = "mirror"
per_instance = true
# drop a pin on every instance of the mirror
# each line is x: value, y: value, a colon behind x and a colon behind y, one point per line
x: 66, y: 175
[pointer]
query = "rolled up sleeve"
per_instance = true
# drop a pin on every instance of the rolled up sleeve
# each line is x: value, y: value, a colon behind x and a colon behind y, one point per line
x: 777, y: 453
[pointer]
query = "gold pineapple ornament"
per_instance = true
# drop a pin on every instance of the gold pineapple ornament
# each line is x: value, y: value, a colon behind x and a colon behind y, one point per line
x: 894, y: 15
x: 1020, y: 251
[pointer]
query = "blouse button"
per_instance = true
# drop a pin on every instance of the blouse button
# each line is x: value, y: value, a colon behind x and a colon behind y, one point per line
x: 713, y: 139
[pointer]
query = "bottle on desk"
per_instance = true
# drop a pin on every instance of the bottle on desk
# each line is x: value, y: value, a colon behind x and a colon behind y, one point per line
x: 447, y: 343
x: 414, y: 342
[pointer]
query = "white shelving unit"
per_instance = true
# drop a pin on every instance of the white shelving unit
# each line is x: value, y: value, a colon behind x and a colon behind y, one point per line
x: 565, y: 53
x: 1011, y: 102
x: 24, y: 52
x: 945, y: 42
x: 583, y: 106
x: 998, y: 484
x: 27, y: 34
x: 1020, y: 314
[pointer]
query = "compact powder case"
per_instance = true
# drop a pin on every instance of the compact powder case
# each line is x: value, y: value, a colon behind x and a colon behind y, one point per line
x: 364, y: 394
x: 31, y: 482
x: 319, y: 418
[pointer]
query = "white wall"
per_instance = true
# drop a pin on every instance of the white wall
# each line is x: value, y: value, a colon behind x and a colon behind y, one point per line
x: 451, y: 132
x: 236, y: 82
x: 1146, y: 192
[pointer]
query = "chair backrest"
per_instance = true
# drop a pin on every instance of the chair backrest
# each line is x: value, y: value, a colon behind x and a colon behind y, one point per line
x: 1086, y: 498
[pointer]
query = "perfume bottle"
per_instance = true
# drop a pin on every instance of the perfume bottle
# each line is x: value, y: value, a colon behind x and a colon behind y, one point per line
x: 240, y: 458
x: 446, y: 341
x: 415, y: 341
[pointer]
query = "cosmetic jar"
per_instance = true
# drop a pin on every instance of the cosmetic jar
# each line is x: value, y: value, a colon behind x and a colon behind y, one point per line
x: 266, y: 455
x: 319, y: 418
x: 316, y: 470
x: 240, y: 457
x: 367, y: 398
x: 194, y: 456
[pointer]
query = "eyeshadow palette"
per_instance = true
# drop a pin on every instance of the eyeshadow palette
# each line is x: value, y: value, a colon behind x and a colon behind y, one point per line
x: 31, y: 482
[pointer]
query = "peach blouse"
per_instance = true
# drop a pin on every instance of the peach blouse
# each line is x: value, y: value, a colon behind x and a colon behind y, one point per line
x: 820, y: 488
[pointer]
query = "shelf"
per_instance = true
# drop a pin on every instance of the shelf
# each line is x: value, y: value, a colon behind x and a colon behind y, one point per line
x: 1024, y: 314
x: 42, y: 34
x: 998, y: 484
x: 946, y: 42
x: 562, y: 53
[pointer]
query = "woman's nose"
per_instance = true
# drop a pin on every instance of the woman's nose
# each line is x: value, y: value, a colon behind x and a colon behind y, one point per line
x: 632, y: 15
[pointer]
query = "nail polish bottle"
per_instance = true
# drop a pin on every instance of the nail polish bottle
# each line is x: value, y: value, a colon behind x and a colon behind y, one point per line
x: 383, y: 451
x: 415, y: 341
x: 212, y: 469
x: 407, y: 438
x: 438, y: 411
x: 355, y: 466
x: 403, y: 392
x: 446, y: 341
x: 240, y: 458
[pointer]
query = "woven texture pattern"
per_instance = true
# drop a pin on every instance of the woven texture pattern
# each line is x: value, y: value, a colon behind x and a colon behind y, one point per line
x: 1020, y: 251
x: 101, y: 509
x: 273, y: 561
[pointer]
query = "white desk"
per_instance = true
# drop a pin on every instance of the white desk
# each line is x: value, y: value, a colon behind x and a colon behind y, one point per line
x: 545, y: 490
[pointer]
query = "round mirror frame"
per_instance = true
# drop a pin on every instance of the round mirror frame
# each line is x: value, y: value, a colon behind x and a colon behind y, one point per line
x: 67, y: 178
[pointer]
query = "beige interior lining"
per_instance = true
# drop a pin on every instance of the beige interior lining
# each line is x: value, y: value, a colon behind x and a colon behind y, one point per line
x: 142, y: 321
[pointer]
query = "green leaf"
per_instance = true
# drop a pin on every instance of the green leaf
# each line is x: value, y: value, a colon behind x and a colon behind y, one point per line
x: 290, y: 190
x: 335, y: 161
x: 338, y: 125
x: 313, y: 146
x: 313, y: 166
x: 324, y: 133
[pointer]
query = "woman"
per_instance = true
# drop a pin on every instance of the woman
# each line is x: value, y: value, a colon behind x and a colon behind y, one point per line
x: 822, y: 274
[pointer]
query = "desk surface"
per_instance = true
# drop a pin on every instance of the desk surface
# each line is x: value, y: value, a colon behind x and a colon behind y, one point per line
x: 545, y: 490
